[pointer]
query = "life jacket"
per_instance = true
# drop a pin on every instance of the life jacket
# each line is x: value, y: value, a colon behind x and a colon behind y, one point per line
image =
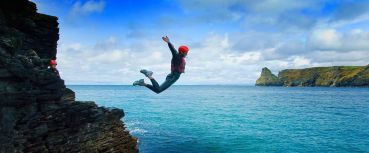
x: 180, y: 67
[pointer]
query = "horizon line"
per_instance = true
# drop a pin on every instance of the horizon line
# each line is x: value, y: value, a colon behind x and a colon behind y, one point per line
x: 173, y: 85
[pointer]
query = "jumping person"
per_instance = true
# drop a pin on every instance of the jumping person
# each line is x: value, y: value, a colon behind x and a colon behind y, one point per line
x: 177, y: 68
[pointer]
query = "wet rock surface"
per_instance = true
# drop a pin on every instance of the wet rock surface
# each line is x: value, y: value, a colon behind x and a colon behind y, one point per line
x: 37, y: 112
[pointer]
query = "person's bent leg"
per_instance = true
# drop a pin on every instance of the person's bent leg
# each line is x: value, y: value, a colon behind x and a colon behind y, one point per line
x: 156, y: 90
x: 171, y: 79
x: 155, y: 86
x: 154, y: 83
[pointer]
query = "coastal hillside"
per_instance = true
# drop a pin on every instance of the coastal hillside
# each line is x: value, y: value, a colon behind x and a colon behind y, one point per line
x: 37, y: 112
x: 337, y: 76
x: 267, y: 78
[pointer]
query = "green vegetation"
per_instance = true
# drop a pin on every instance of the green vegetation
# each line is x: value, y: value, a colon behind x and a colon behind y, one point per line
x: 267, y: 79
x: 318, y: 76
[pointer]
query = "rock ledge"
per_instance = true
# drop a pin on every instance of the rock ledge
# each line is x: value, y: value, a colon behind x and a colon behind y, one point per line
x: 37, y: 112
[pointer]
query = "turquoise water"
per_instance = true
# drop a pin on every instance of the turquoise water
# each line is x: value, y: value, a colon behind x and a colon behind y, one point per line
x: 240, y: 118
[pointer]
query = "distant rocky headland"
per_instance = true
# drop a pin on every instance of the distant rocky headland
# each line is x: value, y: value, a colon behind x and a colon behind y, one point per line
x: 335, y: 76
x: 37, y: 112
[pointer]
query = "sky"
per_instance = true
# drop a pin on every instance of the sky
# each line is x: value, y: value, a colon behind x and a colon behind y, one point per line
x: 230, y: 41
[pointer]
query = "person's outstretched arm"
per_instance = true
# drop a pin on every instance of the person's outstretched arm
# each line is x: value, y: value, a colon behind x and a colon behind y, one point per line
x: 171, y: 47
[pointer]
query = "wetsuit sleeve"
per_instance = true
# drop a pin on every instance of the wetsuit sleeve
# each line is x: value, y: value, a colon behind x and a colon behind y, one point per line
x: 57, y: 73
x: 172, y: 49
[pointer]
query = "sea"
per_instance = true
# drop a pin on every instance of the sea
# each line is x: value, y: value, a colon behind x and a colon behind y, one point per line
x: 239, y: 119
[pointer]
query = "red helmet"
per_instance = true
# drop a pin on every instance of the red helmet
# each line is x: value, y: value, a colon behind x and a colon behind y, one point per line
x: 183, y: 49
x: 52, y: 62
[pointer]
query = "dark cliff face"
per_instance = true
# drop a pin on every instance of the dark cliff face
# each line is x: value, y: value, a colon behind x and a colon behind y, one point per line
x: 267, y: 78
x: 337, y: 76
x: 37, y: 112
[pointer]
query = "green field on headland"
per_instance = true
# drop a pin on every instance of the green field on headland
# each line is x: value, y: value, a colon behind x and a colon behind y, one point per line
x: 338, y: 76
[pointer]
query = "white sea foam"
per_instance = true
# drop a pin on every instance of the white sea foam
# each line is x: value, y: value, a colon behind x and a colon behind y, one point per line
x: 137, y: 130
x: 132, y: 124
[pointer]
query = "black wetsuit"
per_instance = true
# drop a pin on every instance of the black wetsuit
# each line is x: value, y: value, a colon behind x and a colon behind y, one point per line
x: 55, y: 71
x: 172, y: 77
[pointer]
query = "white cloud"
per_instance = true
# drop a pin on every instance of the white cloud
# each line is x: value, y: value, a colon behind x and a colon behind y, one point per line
x: 325, y: 39
x: 333, y: 40
x: 109, y: 57
x: 241, y: 58
x: 88, y: 7
x: 211, y: 62
x: 298, y: 61
x: 342, y: 23
x: 119, y: 64
x: 342, y: 58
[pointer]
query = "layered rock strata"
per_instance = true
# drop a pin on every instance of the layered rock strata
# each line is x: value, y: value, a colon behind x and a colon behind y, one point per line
x: 37, y: 112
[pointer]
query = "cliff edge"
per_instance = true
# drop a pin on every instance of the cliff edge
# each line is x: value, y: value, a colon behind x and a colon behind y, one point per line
x: 335, y: 76
x: 37, y: 112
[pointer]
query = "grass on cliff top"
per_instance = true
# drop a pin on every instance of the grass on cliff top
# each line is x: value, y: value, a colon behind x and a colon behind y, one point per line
x: 351, y: 71
x: 322, y: 72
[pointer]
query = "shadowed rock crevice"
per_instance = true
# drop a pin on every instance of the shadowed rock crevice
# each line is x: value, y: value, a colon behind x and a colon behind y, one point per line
x: 37, y: 112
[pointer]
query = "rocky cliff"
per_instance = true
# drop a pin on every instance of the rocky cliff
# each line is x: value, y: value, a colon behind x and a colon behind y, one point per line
x: 339, y: 76
x: 37, y: 112
x: 267, y: 78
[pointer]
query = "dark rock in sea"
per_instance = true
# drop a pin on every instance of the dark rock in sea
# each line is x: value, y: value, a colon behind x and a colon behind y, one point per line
x: 37, y: 112
x: 336, y: 76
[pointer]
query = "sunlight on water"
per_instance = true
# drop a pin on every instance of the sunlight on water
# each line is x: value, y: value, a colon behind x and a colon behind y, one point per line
x: 240, y: 118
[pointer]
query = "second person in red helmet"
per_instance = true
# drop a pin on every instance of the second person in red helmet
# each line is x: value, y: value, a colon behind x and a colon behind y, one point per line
x: 178, y: 64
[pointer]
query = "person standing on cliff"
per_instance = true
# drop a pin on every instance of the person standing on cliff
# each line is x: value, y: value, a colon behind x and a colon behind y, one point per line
x: 52, y: 68
x: 177, y: 68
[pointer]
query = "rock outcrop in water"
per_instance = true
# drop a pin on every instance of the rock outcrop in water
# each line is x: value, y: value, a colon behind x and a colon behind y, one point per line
x: 37, y: 112
x: 267, y: 78
x: 338, y: 76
